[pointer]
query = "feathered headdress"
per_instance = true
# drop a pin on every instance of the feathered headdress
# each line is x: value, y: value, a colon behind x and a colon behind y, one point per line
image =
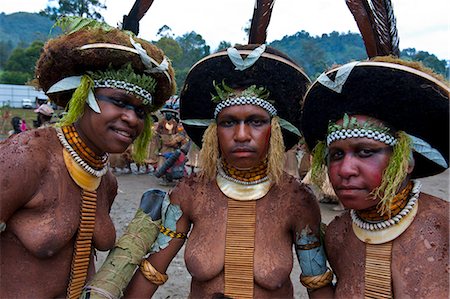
x: 260, y: 21
x: 377, y: 24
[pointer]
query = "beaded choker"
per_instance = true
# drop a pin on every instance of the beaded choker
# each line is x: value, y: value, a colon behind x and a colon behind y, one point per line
x: 81, y: 153
x: 398, y: 203
x: 374, y: 225
x: 254, y: 175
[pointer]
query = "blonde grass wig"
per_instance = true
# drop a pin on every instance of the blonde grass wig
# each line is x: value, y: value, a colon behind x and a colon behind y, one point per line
x: 210, y: 153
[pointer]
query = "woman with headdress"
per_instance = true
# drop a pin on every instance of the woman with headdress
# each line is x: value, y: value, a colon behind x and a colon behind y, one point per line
x: 241, y: 214
x: 56, y: 190
x: 377, y: 126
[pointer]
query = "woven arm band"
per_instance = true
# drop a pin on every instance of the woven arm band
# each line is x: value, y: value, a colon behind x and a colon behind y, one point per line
x: 152, y: 275
x: 170, y: 233
x: 318, y: 281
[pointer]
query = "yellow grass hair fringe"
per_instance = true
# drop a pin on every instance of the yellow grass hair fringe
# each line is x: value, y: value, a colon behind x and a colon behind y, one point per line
x: 394, y: 174
x: 318, y: 164
x: 209, y: 153
x: 140, y: 145
x: 78, y: 101
x: 276, y: 152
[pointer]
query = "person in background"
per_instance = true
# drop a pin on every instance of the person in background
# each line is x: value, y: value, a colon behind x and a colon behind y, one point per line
x: 377, y: 126
x: 44, y: 115
x: 16, y: 124
x: 23, y: 125
x: 56, y: 189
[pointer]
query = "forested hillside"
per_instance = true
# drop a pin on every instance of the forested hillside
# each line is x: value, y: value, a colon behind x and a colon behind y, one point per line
x: 22, y: 35
x: 24, y: 27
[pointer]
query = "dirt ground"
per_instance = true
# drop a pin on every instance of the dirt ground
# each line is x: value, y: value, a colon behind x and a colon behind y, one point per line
x: 132, y: 186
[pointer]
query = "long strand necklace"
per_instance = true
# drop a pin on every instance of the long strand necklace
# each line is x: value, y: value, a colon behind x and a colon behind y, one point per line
x: 86, y: 169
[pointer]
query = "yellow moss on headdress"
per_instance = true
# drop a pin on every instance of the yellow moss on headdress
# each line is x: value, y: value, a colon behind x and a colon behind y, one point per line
x: 140, y: 145
x: 78, y: 101
x: 318, y: 164
x: 395, y: 173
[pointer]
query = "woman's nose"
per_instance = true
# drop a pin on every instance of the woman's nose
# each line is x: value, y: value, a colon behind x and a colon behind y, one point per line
x: 242, y: 132
x: 130, y: 116
x: 348, y: 167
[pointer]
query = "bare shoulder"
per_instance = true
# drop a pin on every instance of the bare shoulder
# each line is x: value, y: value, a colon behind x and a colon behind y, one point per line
x: 336, y: 229
x: 300, y: 201
x: 434, y: 209
x: 297, y: 191
x: 185, y: 191
x: 32, y: 146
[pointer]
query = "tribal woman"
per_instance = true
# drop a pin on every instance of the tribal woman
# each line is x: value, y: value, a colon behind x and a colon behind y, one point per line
x: 56, y: 189
x: 241, y: 216
x: 377, y: 126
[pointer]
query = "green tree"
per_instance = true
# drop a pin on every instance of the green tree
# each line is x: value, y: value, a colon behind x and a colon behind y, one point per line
x: 19, y: 68
x: 165, y: 31
x: 428, y: 60
x: 223, y: 45
x: 6, y: 48
x: 171, y: 49
x: 81, y: 8
x: 194, y: 48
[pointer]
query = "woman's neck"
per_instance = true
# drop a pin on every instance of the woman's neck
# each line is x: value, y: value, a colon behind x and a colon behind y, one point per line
x: 400, y: 200
x: 255, y: 173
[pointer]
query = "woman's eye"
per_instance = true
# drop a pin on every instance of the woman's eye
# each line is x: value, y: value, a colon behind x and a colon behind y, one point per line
x: 227, y: 123
x: 119, y: 103
x: 365, y: 152
x: 335, y: 156
x: 258, y: 122
x: 140, y: 112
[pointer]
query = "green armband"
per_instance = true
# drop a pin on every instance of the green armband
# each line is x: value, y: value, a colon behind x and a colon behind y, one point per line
x: 116, y: 272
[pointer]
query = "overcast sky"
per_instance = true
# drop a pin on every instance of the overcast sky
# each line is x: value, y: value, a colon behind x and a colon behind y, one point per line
x: 424, y: 25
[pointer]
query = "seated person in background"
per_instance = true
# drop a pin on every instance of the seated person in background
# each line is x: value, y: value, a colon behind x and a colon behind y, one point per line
x: 44, y: 115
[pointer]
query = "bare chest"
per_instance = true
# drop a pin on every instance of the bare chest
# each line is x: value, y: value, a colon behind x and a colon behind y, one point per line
x: 50, y: 220
x: 206, y: 247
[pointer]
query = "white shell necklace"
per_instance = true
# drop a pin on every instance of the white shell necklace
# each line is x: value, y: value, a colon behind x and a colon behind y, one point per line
x: 374, y: 226
x: 77, y: 158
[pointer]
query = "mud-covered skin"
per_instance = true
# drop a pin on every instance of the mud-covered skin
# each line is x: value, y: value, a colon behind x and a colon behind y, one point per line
x: 420, y: 260
x: 283, y: 212
x: 40, y: 204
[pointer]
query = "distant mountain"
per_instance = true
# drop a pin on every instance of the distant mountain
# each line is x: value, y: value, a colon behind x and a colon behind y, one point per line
x: 23, y: 27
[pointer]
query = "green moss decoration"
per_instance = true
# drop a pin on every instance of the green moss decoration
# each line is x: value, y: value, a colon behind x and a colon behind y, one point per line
x: 128, y: 75
x: 225, y: 92
x: 77, y: 102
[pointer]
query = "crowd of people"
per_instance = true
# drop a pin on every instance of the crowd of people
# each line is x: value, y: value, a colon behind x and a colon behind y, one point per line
x: 367, y: 130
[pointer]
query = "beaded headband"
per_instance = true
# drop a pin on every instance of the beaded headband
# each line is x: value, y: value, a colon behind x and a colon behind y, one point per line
x: 351, y: 128
x: 246, y: 101
x: 252, y: 95
x: 138, y: 91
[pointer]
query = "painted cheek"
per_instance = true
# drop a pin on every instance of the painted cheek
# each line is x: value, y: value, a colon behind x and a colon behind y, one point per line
x: 267, y: 133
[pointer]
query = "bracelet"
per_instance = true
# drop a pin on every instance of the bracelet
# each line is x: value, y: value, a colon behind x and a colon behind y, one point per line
x: 317, y: 281
x: 152, y: 275
x: 170, y: 233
